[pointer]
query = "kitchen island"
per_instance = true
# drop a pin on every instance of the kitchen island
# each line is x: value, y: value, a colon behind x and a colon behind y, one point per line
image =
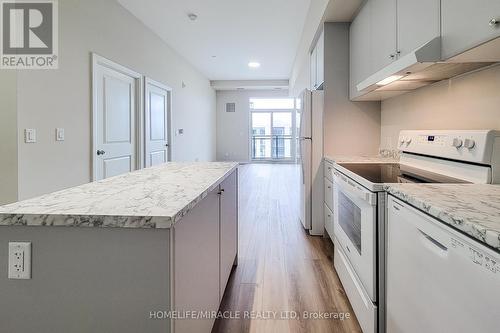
x: 148, y: 251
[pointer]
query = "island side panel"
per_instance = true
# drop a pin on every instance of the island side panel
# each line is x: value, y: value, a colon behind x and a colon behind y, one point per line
x: 196, y: 265
x: 228, y: 228
x: 87, y: 280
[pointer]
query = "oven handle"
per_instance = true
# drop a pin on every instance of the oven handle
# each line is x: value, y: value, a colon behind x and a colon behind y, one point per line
x: 354, y: 188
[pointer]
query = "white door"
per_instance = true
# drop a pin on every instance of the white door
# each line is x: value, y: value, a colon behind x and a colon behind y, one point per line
x: 157, y: 120
x: 116, y: 120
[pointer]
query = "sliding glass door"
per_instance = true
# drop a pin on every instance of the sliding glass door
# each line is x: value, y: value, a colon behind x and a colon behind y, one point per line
x: 272, y: 130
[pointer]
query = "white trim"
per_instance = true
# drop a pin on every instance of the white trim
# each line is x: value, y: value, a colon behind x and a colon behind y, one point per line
x: 149, y: 81
x: 98, y: 60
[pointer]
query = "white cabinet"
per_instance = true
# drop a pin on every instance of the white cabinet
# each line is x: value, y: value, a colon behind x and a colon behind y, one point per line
x: 196, y: 264
x: 228, y: 228
x: 329, y: 222
x: 317, y: 63
x: 313, y: 64
x: 359, y: 49
x: 328, y: 195
x: 383, y: 33
x: 466, y: 23
x: 205, y: 249
x: 320, y: 60
x: 418, y: 23
x: 385, y: 30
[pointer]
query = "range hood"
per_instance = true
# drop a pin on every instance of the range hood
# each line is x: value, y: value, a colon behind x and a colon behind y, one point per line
x: 422, y: 67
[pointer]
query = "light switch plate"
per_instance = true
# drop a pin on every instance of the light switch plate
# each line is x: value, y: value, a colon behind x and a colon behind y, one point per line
x: 20, y: 260
x: 59, y: 134
x: 29, y: 135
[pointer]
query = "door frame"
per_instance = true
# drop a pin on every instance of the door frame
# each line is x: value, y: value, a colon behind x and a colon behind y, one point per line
x: 96, y: 61
x: 149, y: 81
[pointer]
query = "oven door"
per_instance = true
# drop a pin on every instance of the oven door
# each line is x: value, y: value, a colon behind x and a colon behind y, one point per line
x: 355, y: 219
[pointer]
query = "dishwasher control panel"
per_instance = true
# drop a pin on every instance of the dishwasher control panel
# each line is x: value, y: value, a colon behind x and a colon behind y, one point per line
x: 478, y: 257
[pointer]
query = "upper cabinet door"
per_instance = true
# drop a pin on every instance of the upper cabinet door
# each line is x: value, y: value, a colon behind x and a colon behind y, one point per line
x: 418, y: 23
x: 468, y: 23
x: 313, y: 63
x: 320, y: 60
x: 359, y: 49
x: 383, y: 27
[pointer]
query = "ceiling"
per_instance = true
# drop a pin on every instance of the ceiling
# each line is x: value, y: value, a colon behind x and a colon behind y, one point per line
x: 228, y: 34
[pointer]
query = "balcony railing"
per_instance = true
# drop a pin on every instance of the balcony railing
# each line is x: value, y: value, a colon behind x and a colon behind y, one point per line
x: 271, y: 147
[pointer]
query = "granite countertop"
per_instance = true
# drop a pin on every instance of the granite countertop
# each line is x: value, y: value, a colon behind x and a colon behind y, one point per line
x: 155, y: 197
x: 471, y: 208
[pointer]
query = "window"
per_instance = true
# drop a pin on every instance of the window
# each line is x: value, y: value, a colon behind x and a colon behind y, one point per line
x: 273, y: 129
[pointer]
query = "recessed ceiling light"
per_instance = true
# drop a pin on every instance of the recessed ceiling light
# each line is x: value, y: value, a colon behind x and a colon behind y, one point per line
x: 192, y: 16
x: 253, y: 64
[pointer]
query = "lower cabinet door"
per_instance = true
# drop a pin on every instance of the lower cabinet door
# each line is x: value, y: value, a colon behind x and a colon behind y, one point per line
x: 228, y: 228
x: 196, y: 264
x: 329, y: 222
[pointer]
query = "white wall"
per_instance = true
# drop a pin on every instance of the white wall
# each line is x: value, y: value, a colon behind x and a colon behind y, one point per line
x: 8, y: 136
x: 350, y: 128
x: 233, y: 133
x: 468, y: 102
x: 61, y: 98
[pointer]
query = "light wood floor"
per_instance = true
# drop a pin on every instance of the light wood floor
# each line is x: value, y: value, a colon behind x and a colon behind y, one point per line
x: 280, y: 268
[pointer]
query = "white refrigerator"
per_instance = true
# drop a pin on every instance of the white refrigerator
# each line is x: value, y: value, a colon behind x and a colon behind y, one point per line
x: 311, y: 156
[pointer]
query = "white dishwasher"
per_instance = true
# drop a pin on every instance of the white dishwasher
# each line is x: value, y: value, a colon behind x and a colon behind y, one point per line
x: 438, y: 280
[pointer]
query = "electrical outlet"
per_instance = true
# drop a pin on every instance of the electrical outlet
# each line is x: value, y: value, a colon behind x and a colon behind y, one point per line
x: 29, y: 135
x: 20, y: 260
x: 59, y: 134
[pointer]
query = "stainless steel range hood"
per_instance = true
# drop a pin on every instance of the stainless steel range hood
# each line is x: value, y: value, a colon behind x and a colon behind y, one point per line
x: 424, y: 66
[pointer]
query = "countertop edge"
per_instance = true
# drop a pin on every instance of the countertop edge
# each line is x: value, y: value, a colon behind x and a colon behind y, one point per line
x: 110, y: 221
x: 177, y: 217
x: 473, y: 230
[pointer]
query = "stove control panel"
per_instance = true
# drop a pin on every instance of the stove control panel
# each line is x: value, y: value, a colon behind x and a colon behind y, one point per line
x: 477, y: 146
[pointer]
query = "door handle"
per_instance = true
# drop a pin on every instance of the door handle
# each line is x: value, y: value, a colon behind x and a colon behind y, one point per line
x: 433, y: 241
x: 100, y: 152
x: 166, y: 144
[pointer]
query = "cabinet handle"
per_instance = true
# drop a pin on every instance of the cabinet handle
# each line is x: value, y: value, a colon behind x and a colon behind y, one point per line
x: 392, y: 56
x: 100, y: 152
x: 493, y: 22
x: 220, y: 191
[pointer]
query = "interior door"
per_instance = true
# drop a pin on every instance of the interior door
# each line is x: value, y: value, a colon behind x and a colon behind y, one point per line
x: 157, y: 120
x: 116, y: 106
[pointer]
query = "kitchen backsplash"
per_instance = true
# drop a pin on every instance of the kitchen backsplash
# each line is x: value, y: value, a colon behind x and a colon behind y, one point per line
x: 467, y: 102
